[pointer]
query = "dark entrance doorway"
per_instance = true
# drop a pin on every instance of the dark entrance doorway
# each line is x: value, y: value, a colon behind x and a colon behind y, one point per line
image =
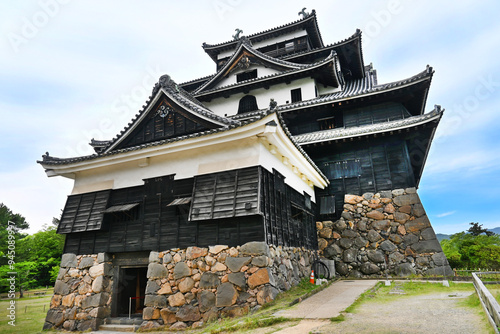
x: 131, y: 290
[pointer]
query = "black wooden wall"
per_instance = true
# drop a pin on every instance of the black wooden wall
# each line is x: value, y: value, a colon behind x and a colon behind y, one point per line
x: 368, y: 165
x: 238, y: 206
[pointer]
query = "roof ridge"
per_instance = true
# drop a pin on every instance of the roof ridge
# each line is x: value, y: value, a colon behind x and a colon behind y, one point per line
x: 199, y: 91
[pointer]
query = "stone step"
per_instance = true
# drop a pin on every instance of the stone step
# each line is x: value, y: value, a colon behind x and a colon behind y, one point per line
x: 118, y: 328
x: 124, y: 321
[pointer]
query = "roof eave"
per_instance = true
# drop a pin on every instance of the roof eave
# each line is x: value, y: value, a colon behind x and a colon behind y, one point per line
x: 327, y: 101
x: 436, y: 117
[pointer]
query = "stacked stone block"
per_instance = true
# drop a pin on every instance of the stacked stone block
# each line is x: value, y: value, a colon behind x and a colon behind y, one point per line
x: 188, y: 287
x: 82, y: 293
x: 387, y: 233
x: 185, y: 288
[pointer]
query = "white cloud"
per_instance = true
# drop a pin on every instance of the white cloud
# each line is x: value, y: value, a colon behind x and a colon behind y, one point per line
x: 445, y: 214
x: 93, y: 54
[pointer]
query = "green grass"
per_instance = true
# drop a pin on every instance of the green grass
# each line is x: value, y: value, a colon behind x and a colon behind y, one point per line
x: 339, y: 318
x: 30, y: 313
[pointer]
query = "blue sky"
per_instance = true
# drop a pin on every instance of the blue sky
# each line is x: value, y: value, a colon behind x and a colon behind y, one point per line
x: 75, y: 70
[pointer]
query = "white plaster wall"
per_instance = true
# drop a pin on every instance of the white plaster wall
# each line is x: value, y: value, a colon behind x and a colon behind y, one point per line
x: 237, y: 154
x: 289, y: 36
x: 280, y: 93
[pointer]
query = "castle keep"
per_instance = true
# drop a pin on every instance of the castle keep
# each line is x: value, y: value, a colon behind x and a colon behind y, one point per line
x: 221, y: 191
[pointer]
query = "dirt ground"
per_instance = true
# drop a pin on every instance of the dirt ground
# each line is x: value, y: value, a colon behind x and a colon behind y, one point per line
x: 431, y: 313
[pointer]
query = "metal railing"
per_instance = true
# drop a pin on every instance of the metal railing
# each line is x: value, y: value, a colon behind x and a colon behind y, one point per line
x: 130, y: 306
x: 489, y: 303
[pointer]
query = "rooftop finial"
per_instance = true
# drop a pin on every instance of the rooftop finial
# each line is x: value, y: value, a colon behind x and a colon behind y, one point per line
x: 237, y: 35
x: 304, y: 14
x: 272, y: 104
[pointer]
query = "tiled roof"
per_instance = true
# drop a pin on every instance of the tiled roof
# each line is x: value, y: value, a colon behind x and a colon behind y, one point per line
x: 244, y: 43
x: 341, y: 133
x: 356, y: 35
x: 358, y: 87
x: 48, y: 160
x: 262, y: 34
x: 180, y: 96
x: 297, y: 69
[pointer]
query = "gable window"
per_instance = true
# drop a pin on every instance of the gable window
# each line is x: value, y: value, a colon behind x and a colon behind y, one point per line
x: 246, y: 75
x: 247, y: 103
x: 296, y: 95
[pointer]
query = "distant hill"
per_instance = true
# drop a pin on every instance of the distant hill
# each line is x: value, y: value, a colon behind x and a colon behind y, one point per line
x: 495, y: 230
x: 441, y: 236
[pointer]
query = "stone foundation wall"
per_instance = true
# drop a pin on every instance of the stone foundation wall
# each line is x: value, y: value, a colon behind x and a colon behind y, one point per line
x: 185, y: 287
x: 386, y: 233
x: 196, y: 285
x: 82, y: 293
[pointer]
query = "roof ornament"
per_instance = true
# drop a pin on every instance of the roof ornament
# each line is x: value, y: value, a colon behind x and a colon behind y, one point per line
x: 237, y: 35
x: 272, y: 104
x: 244, y: 63
x: 165, y: 80
x: 304, y: 14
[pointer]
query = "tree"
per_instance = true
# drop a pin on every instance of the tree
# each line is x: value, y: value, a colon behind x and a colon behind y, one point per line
x: 25, y: 277
x: 477, y: 229
x: 16, y: 222
x: 465, y: 250
x: 45, y: 249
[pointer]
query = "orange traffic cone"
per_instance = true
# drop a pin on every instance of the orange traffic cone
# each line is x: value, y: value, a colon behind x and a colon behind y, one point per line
x: 311, y: 279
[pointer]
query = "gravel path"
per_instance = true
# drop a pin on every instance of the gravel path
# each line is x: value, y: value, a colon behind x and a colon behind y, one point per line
x: 438, y: 313
x: 433, y: 313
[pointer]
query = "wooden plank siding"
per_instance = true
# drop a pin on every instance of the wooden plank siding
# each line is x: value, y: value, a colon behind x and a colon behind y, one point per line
x: 83, y: 212
x: 277, y: 202
x: 226, y: 194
